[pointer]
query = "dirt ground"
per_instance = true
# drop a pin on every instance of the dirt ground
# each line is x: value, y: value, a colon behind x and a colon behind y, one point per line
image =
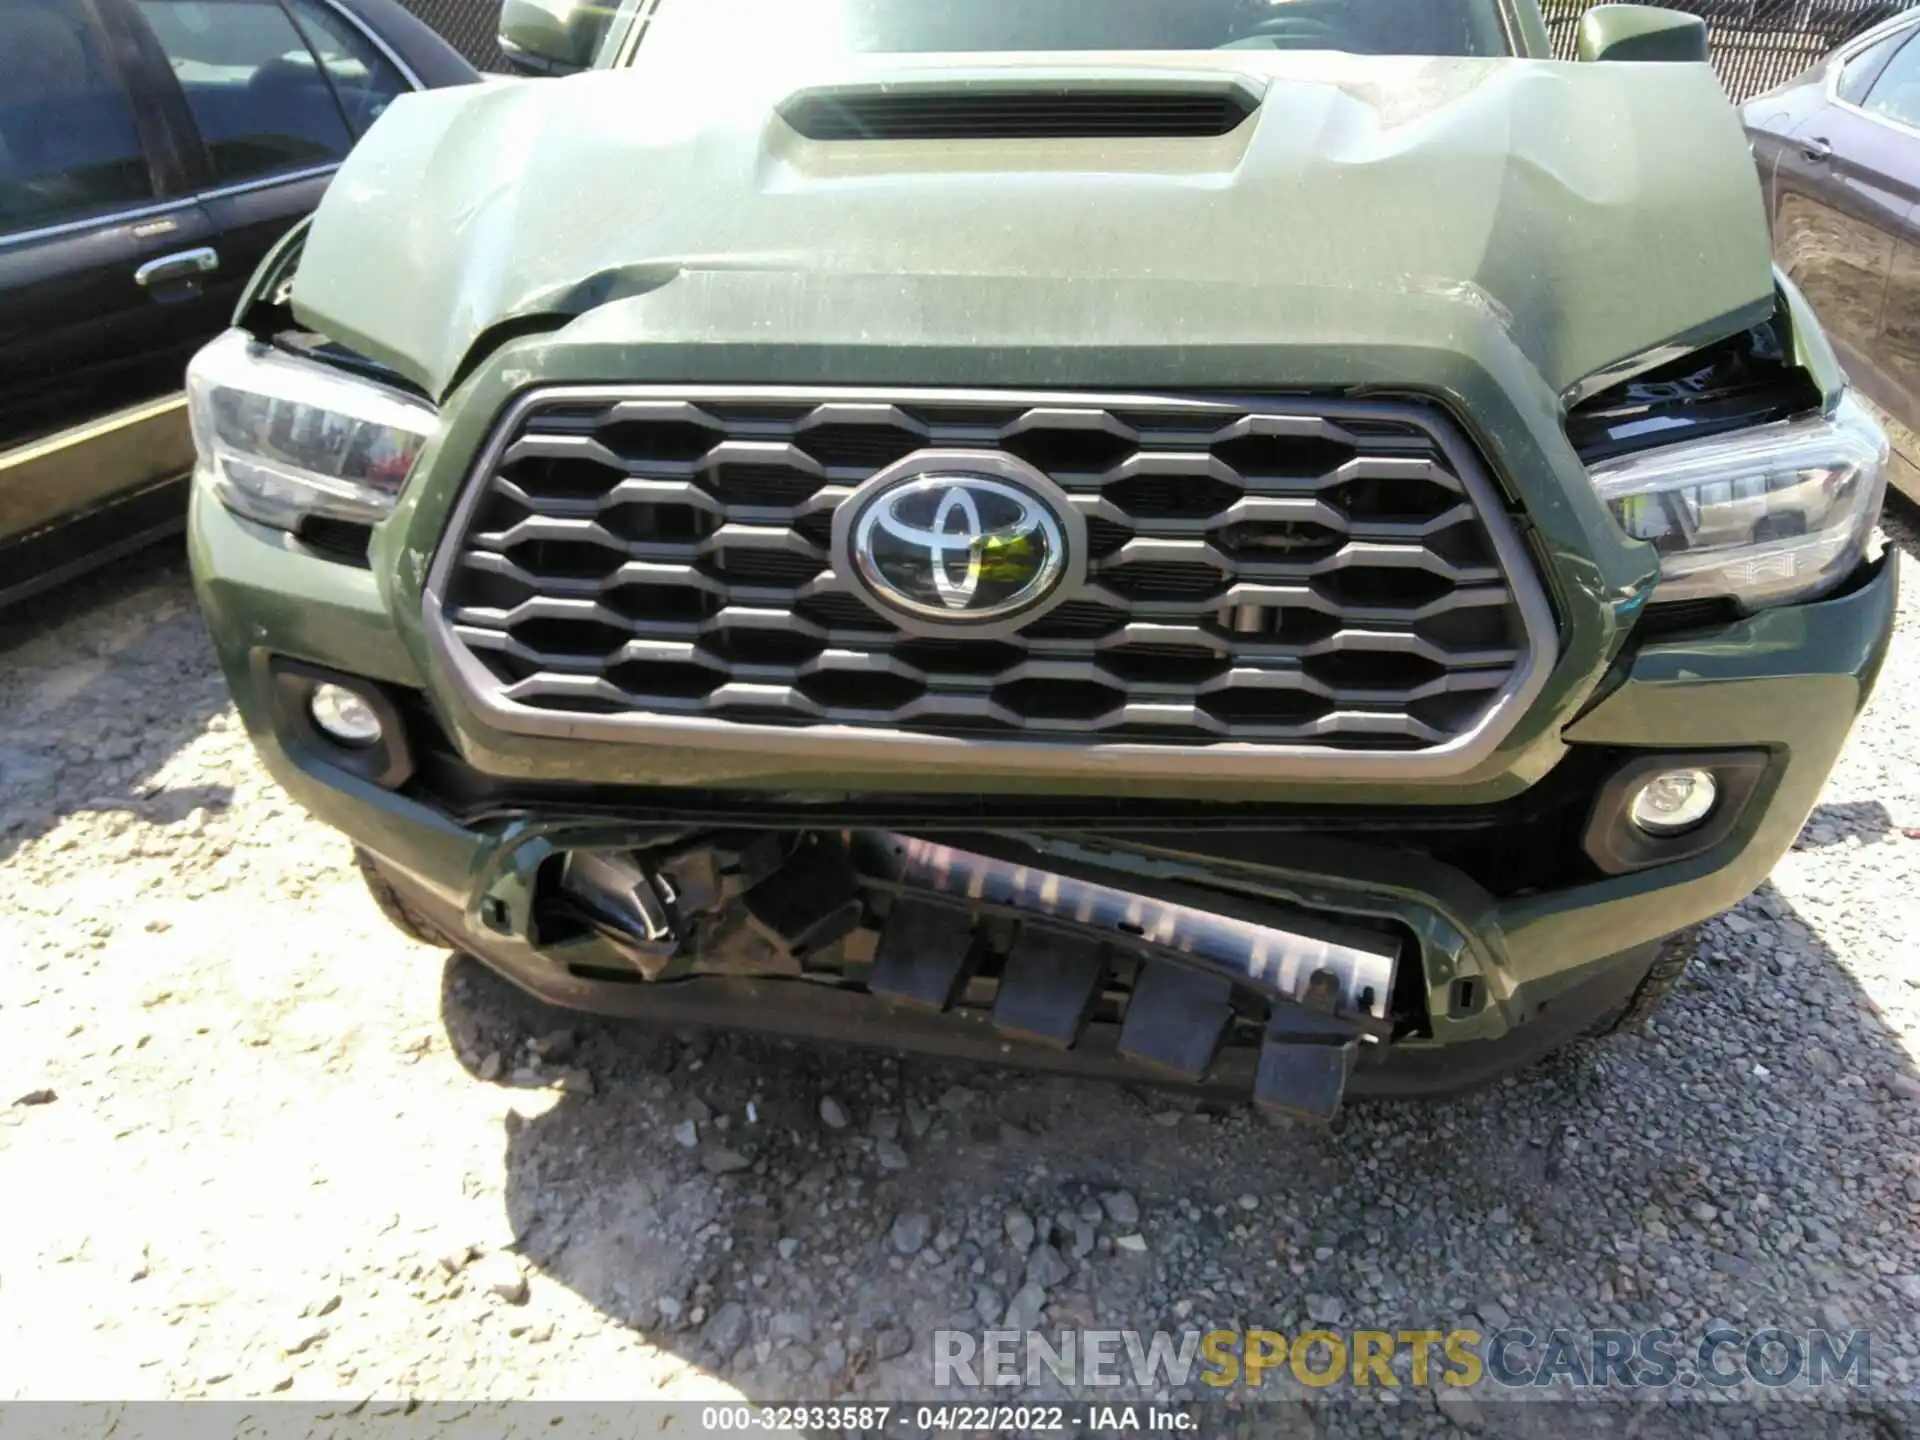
x: 253, y: 1143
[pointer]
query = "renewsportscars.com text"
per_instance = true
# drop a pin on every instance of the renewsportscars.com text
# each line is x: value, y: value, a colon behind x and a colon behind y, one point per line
x: 1515, y: 1358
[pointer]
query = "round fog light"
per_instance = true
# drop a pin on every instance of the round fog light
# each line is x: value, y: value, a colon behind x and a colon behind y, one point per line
x: 1674, y: 801
x: 344, y: 715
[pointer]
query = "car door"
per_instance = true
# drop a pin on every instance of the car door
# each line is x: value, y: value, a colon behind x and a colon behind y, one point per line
x: 277, y: 93
x: 102, y: 269
x: 1771, y: 118
x: 1840, y: 202
x: 1889, y: 375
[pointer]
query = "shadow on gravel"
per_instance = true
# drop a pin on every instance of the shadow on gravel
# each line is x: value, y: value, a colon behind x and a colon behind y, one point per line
x: 102, y: 681
x: 1900, y: 522
x: 1833, y: 824
x: 1749, y: 1158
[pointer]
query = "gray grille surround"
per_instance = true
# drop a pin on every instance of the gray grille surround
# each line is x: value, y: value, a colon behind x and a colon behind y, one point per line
x: 1302, y: 626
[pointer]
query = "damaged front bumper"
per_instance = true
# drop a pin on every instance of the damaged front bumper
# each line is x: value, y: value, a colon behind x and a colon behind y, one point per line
x: 1299, y: 953
x: 929, y: 927
x: 1041, y: 953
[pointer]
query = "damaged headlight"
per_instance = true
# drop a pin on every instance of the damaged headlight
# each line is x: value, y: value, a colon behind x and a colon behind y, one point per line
x: 1767, y: 515
x: 281, y: 439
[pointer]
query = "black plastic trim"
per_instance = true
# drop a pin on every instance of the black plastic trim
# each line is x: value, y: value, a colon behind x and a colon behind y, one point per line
x: 1615, y: 844
x: 837, y: 1014
x: 1182, y: 108
x: 344, y: 542
x: 388, y: 763
x: 1675, y: 393
x: 76, y: 545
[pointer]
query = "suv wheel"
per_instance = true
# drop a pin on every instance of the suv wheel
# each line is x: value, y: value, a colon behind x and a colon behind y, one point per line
x: 1669, y: 964
x: 395, y: 906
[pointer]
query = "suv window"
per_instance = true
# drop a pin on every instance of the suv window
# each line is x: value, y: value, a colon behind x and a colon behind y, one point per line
x: 1896, y: 94
x: 260, y: 98
x: 363, y: 77
x: 68, y: 144
x: 1371, y: 27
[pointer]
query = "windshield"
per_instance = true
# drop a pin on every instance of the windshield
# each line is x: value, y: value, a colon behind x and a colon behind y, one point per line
x: 1366, y: 27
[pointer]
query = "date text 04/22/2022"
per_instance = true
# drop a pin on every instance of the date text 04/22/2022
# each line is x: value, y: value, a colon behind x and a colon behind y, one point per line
x: 947, y: 1419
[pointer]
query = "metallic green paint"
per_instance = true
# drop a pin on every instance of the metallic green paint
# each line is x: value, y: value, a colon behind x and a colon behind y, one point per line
x: 1642, y: 33
x: 1537, y: 212
x: 1811, y: 349
x: 1484, y: 233
x: 561, y: 34
x: 1596, y: 575
x: 1790, y: 680
x: 1530, y: 26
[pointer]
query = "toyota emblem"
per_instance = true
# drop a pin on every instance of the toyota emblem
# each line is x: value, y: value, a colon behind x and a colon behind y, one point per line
x: 957, y: 547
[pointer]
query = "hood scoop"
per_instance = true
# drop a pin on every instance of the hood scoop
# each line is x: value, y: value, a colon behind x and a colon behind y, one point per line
x: 1024, y: 107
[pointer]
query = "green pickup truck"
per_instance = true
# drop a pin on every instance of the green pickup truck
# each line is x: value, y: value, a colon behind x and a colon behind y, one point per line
x: 1295, y: 548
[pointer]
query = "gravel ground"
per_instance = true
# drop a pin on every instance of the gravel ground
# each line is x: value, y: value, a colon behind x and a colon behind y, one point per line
x: 259, y: 1145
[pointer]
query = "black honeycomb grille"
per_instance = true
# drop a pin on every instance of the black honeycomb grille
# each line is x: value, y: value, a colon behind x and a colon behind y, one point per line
x: 1257, y: 574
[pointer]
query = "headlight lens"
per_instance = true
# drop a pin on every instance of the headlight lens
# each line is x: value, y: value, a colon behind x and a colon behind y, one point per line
x: 281, y: 439
x: 1768, y: 515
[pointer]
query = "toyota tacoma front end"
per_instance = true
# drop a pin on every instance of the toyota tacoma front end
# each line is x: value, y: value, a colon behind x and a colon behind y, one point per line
x: 1247, y: 564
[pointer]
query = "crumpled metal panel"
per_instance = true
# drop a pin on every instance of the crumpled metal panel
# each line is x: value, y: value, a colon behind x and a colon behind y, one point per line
x: 1376, y: 213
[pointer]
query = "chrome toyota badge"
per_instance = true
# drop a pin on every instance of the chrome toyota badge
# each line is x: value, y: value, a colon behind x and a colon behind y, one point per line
x: 959, y: 540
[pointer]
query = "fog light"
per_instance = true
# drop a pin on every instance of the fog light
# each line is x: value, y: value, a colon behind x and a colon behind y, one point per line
x: 1674, y: 801
x: 344, y: 715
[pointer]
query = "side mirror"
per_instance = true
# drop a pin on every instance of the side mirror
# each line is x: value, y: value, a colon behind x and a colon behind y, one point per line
x: 1641, y: 32
x: 550, y: 37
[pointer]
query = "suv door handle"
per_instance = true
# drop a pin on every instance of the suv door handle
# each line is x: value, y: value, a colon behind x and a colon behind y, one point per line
x: 182, y: 266
x: 1816, y: 149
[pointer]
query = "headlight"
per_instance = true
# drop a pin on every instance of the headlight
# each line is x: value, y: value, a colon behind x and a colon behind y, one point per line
x: 281, y: 439
x: 1768, y: 515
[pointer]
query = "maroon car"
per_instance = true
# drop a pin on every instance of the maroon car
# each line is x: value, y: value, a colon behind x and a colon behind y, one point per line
x: 1839, y: 155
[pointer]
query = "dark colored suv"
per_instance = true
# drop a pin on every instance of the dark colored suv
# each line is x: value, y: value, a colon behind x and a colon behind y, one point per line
x: 151, y: 153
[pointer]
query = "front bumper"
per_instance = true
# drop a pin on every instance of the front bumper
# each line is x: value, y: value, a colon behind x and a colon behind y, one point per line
x: 1543, y: 966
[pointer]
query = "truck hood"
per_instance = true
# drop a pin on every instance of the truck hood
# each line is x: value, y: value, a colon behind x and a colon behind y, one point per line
x: 1573, y: 216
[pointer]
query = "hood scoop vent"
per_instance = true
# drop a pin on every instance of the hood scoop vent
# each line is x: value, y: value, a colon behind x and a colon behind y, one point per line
x: 1022, y: 109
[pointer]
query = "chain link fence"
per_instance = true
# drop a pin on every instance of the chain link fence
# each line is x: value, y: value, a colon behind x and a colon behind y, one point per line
x: 470, y: 26
x: 1756, y: 43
